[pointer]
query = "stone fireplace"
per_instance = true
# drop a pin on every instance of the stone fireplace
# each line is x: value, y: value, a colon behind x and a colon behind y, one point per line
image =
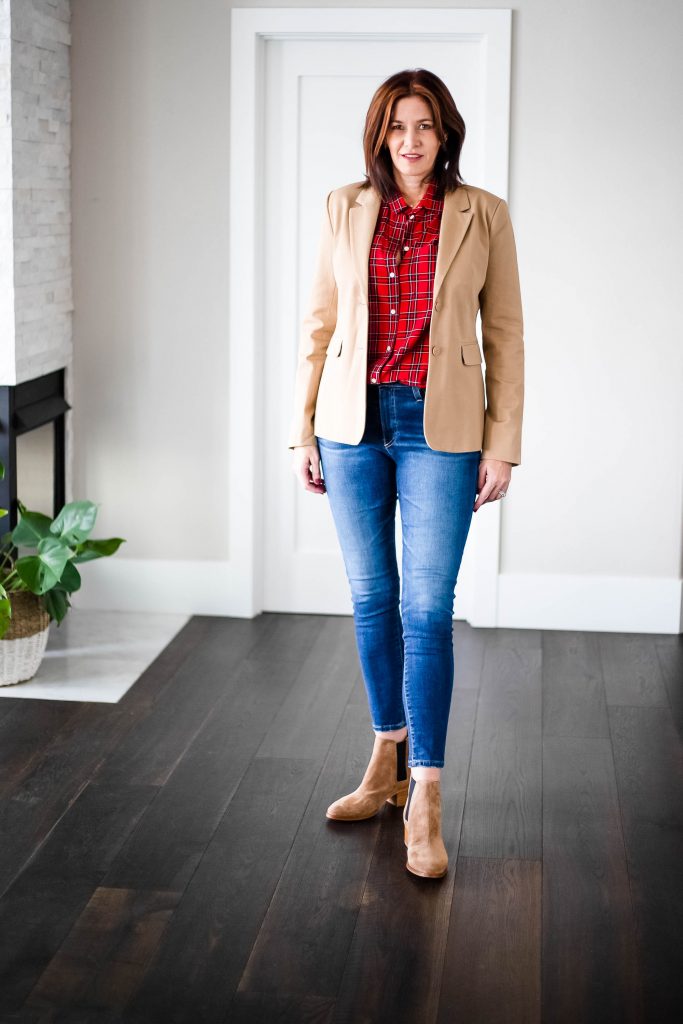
x: 35, y: 253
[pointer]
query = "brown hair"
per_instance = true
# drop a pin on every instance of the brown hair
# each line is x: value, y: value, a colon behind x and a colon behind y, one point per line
x: 447, y: 121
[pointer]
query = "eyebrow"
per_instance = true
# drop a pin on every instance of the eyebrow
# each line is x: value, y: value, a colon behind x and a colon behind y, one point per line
x: 397, y: 120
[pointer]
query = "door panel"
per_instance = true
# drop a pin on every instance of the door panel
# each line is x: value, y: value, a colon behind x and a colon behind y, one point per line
x: 315, y: 96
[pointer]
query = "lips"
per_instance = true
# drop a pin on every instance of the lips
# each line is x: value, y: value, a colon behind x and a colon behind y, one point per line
x: 411, y: 156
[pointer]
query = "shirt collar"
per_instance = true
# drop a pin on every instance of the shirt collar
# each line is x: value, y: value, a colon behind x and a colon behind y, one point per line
x: 428, y: 202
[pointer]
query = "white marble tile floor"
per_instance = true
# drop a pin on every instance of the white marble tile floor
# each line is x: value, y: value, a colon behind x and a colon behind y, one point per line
x: 98, y: 655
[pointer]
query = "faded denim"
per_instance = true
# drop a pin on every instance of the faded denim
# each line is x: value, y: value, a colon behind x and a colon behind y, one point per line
x: 403, y: 625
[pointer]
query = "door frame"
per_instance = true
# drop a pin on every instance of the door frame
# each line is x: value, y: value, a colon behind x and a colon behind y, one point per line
x: 250, y: 28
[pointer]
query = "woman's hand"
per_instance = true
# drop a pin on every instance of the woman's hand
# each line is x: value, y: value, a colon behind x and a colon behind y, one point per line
x: 306, y: 467
x: 494, y: 476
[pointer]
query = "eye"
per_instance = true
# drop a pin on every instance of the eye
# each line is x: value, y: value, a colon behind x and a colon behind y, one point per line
x: 424, y: 124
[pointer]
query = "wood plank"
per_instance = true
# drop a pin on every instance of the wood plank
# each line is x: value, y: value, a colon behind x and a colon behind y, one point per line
x: 168, y: 858
x: 396, y: 958
x: 152, y: 748
x: 301, y: 727
x: 649, y: 768
x: 172, y: 837
x: 298, y: 959
x: 211, y: 934
x: 101, y: 962
x: 9, y: 706
x: 502, y: 816
x: 159, y: 674
x: 63, y: 763
x: 47, y: 897
x: 590, y: 958
x: 231, y: 889
x: 573, y: 688
x: 631, y: 670
x: 28, y: 1015
x: 469, y: 650
x: 24, y: 735
x: 670, y: 655
x: 492, y: 969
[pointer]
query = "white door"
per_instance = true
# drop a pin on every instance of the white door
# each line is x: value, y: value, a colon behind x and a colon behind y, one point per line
x: 313, y: 97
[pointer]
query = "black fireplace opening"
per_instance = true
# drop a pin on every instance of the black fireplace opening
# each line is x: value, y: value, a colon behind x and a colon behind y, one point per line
x: 26, y: 407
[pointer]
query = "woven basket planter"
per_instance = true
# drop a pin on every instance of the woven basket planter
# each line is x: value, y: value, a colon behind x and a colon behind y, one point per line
x: 23, y: 645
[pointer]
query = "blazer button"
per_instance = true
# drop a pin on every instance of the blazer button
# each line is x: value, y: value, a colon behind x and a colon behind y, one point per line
x: 437, y: 304
x: 435, y: 350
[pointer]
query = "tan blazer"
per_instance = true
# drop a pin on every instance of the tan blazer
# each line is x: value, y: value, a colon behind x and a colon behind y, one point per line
x: 476, y: 268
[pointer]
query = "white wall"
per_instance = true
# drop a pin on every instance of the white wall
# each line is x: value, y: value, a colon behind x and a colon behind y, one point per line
x: 150, y: 242
x: 595, y: 174
x: 596, y: 162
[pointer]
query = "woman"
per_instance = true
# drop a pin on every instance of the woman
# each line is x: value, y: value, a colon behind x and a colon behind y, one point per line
x: 390, y: 403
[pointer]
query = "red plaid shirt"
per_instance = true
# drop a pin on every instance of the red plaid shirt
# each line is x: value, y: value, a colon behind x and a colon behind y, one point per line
x: 400, y: 282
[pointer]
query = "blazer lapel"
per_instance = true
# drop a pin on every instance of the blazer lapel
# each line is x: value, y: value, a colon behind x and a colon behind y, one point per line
x: 455, y: 219
x: 362, y: 221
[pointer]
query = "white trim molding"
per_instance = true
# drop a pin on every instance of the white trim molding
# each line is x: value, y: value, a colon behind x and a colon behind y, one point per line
x: 619, y: 604
x: 250, y: 29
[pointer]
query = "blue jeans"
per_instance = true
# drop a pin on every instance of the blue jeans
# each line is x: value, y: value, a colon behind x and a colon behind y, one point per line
x: 404, y: 637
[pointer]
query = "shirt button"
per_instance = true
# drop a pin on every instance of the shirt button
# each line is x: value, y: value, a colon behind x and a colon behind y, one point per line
x: 392, y: 274
x: 393, y: 310
x: 412, y: 216
x: 388, y: 348
x: 405, y: 248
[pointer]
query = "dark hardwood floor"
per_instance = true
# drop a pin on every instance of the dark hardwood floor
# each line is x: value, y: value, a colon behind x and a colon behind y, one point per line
x: 168, y: 858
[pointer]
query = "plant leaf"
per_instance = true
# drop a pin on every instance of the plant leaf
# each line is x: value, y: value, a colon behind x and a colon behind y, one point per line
x: 42, y: 571
x: 5, y: 615
x: 90, y: 549
x: 71, y: 578
x: 30, y: 529
x: 75, y: 521
x: 56, y: 604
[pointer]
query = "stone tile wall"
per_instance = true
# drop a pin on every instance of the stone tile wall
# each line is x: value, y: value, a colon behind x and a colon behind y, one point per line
x: 35, y: 211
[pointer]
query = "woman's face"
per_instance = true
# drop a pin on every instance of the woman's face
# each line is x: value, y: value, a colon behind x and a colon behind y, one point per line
x: 412, y: 140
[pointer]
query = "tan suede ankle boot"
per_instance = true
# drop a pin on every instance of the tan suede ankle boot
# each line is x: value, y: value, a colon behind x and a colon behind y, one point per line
x: 386, y: 780
x: 427, y: 854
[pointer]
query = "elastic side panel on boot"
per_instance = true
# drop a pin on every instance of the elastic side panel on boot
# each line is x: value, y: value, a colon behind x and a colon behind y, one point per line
x: 401, y: 760
x: 411, y: 787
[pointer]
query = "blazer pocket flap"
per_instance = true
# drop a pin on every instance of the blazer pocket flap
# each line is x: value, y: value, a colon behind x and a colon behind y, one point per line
x: 335, y: 345
x: 471, y: 354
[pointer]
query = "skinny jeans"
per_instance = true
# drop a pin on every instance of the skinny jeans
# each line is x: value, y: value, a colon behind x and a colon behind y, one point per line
x: 403, y: 625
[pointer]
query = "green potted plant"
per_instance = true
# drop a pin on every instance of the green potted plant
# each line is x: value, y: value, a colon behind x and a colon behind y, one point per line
x: 35, y: 585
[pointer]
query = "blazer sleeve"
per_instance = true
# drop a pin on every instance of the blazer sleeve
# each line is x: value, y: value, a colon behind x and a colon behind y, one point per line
x: 316, y: 330
x: 503, y: 343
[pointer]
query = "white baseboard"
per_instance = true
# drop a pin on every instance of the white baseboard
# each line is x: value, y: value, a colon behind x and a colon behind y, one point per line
x: 602, y: 604
x: 620, y: 604
x: 157, y: 585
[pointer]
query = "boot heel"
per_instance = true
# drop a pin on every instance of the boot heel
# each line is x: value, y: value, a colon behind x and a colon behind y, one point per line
x: 398, y: 799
